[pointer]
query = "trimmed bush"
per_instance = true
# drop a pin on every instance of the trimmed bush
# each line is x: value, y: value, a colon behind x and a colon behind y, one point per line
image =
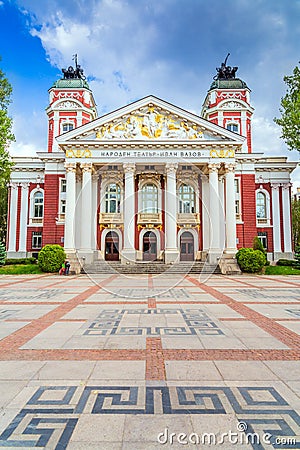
x: 51, y: 257
x: 257, y: 245
x: 2, y: 254
x: 250, y: 260
x: 13, y: 261
x: 285, y: 262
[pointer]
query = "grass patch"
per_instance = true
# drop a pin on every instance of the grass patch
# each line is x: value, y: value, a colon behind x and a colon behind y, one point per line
x: 281, y: 270
x: 20, y: 269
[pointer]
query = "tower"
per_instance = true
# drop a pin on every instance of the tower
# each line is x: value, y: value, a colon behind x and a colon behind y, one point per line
x: 227, y: 103
x: 71, y: 104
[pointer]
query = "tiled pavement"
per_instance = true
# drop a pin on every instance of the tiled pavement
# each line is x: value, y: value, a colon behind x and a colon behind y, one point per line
x: 117, y: 362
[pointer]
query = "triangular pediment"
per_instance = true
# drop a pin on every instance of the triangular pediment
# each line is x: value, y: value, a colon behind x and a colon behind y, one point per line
x: 149, y: 119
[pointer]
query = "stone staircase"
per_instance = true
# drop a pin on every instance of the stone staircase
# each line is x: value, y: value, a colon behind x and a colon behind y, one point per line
x: 111, y: 267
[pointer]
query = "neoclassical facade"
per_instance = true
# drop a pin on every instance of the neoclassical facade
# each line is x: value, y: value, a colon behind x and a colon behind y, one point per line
x: 150, y: 181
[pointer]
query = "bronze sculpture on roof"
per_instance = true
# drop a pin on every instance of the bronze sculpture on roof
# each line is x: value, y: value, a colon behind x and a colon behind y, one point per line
x: 225, y: 72
x: 71, y: 73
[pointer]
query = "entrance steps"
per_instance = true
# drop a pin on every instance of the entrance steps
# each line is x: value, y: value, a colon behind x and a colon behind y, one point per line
x: 115, y: 267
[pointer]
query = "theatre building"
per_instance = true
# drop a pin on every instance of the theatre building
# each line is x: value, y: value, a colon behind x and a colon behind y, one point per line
x: 150, y: 181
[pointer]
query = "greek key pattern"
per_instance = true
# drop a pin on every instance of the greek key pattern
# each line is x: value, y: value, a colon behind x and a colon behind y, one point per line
x: 5, y: 313
x: 196, y: 321
x: 29, y: 294
x: 145, y: 293
x: 293, y: 294
x: 49, y: 418
x: 294, y: 312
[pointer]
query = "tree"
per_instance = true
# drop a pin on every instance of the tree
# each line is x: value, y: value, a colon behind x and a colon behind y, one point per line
x: 290, y: 111
x: 6, y: 137
x: 296, y: 222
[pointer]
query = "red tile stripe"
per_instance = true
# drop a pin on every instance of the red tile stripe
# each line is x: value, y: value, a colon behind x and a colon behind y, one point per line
x: 155, y: 365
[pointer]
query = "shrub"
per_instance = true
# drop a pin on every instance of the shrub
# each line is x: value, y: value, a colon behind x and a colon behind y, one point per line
x: 250, y: 260
x: 257, y: 245
x: 51, y: 257
x: 285, y: 262
x: 2, y: 254
x: 297, y: 257
x: 14, y: 261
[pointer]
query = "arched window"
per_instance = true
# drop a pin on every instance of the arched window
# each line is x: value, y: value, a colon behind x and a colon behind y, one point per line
x: 38, y: 205
x: 233, y: 127
x: 149, y: 198
x: 112, y: 198
x: 186, y: 199
x: 261, y: 205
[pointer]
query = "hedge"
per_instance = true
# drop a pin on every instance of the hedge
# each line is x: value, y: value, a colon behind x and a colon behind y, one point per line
x: 51, y: 258
x: 249, y: 260
x: 13, y: 261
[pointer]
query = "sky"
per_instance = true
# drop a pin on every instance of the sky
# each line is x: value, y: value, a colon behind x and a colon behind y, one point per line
x: 133, y: 48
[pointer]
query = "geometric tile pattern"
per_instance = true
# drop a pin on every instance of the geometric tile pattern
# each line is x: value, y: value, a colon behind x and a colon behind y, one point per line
x: 293, y: 294
x: 4, y: 313
x: 50, y: 416
x: 295, y: 312
x: 196, y: 321
x: 30, y: 294
x: 144, y: 293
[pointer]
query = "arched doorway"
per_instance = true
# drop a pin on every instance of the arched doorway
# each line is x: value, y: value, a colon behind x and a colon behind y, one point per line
x: 149, y: 246
x: 112, y: 246
x: 187, y: 252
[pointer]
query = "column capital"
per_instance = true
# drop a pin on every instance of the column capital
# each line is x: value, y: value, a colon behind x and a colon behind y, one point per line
x: 213, y: 168
x: 171, y: 168
x: 286, y: 186
x: 70, y: 167
x: 275, y: 186
x: 13, y: 185
x: 86, y: 167
x: 229, y: 168
x: 24, y: 185
x: 129, y: 167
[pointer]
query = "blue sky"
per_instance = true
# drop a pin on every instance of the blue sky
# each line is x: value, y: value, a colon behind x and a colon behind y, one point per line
x: 130, y: 49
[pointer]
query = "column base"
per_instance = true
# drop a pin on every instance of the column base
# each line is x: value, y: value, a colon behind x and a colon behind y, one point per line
x: 214, y: 255
x: 16, y: 255
x: 85, y: 256
x: 75, y: 264
x: 128, y: 256
x: 283, y: 255
x: 171, y: 256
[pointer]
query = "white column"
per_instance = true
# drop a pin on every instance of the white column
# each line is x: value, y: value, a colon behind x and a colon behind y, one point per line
x: 86, y: 208
x: 171, y: 250
x: 214, y: 214
x: 69, y: 238
x: 230, y: 210
x: 205, y: 212
x: 286, y: 211
x: 276, y: 219
x: 13, y: 208
x: 23, y: 219
x: 222, y: 211
x: 95, y: 179
x: 128, y: 252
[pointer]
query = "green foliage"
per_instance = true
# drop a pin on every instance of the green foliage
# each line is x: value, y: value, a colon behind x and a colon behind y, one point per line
x: 285, y: 262
x: 290, y: 111
x: 6, y: 137
x: 2, y: 254
x: 20, y: 269
x: 257, y: 245
x: 297, y: 257
x: 15, y: 261
x: 250, y: 260
x: 296, y: 222
x: 281, y: 270
x: 51, y: 257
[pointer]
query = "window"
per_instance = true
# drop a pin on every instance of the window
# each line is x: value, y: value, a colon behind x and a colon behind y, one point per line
x: 233, y: 127
x: 149, y: 167
x: 149, y: 198
x: 36, y: 239
x: 67, y: 126
x: 261, y: 206
x: 186, y: 199
x: 38, y: 205
x: 112, y: 198
x: 63, y: 185
x: 112, y: 168
x: 63, y: 207
x: 237, y: 199
x: 186, y: 167
x: 263, y: 237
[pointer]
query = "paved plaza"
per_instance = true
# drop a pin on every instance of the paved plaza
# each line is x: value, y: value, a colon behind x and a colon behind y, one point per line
x: 119, y: 362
